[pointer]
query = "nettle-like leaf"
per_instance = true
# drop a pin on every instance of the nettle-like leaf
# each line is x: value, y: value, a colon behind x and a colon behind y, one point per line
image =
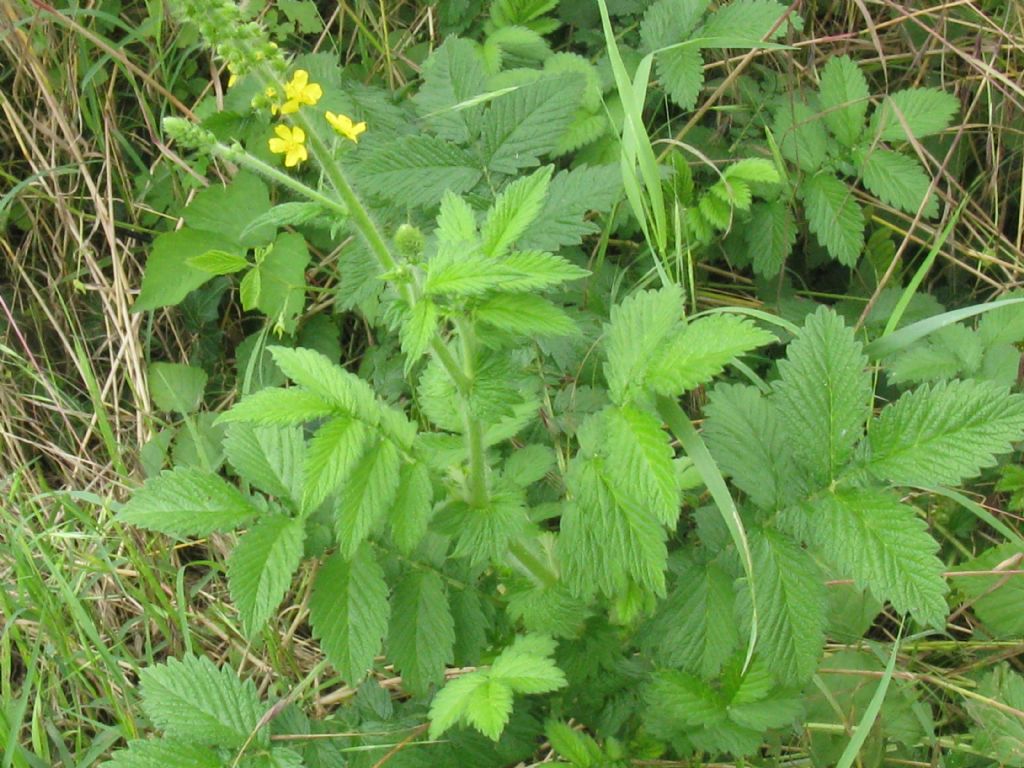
x: 452, y: 76
x: 924, y: 111
x: 187, y: 502
x: 349, y: 612
x: 844, y: 99
x: 412, y: 507
x: 483, y: 699
x: 194, y: 701
x: 746, y: 435
x: 898, y: 180
x: 422, y: 632
x: 791, y: 603
x: 418, y: 329
x: 995, y: 596
x: 800, y: 133
x: 164, y: 753
x: 519, y: 272
x: 749, y: 19
x: 525, y: 314
x: 261, y: 566
x: 770, y: 236
x: 416, y: 170
x: 333, y: 452
x: 639, y: 450
x: 522, y: 125
x: 317, y: 374
x: 278, y: 407
x: 695, y: 629
x: 680, y: 70
x: 834, y: 216
x: 269, y: 458
x: 824, y: 389
x: 638, y: 328
x: 945, y: 433
x: 999, y: 734
x: 367, y: 495
x: 514, y: 209
x: 883, y: 544
x: 571, y: 194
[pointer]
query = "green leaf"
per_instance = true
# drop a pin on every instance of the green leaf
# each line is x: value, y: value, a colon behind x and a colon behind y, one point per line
x: 453, y: 75
x: 537, y: 271
x: 679, y: 701
x: 834, y: 216
x: 414, y: 502
x: 575, y: 746
x: 187, y: 502
x: 746, y: 435
x: 514, y: 209
x: 791, y: 606
x: 418, y: 330
x: 824, y: 391
x: 753, y: 169
x: 218, y: 262
x: 168, y: 277
x: 701, y: 351
x: 801, y: 136
x: 571, y: 194
x: 329, y: 381
x: 607, y: 541
x: 519, y: 272
x: 924, y: 110
x: 695, y: 629
x: 367, y: 496
x: 526, y: 667
x: 770, y: 236
x: 751, y: 19
x: 422, y: 632
x: 331, y: 456
x: 639, y: 453
x: 229, y: 210
x: 415, y: 170
x: 249, y: 289
x: 289, y: 215
x: 193, y: 700
x: 844, y: 99
x: 638, y: 329
x: 282, y: 279
x: 163, y: 753
x: 452, y: 702
x: 945, y: 433
x: 261, y: 567
x: 526, y: 315
x: 489, y: 707
x: 176, y: 387
x: 897, y: 180
x: 456, y: 222
x: 999, y: 734
x: 885, y: 546
x: 995, y: 597
x: 681, y: 72
x: 278, y: 407
x: 521, y: 126
x: 269, y: 458
x: 349, y: 612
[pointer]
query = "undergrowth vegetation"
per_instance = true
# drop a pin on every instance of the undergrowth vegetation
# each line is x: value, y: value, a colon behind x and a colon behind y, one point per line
x: 511, y: 382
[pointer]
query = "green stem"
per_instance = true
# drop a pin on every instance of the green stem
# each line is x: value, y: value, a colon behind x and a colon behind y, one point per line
x: 534, y: 566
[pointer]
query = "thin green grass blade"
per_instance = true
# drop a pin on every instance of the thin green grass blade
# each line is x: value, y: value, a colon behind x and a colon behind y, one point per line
x: 860, y: 734
x: 978, y: 511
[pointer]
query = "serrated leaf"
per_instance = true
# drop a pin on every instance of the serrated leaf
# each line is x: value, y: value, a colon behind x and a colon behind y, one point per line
x: 163, y: 753
x: 522, y: 125
x: 537, y: 271
x: 791, y: 607
x: 834, y: 216
x: 925, y: 111
x: 800, y: 133
x: 945, y: 433
x: 519, y: 272
x: 368, y: 495
x: 695, y: 629
x: 525, y: 314
x: 676, y: 700
x: 575, y: 746
x: 489, y: 708
x: 193, y: 700
x: 269, y: 458
x: 329, y: 381
x: 641, y: 460
x: 681, y: 73
x: 422, y: 632
x: 770, y: 236
x: 885, y: 546
x: 999, y: 734
x: 844, y: 99
x: 218, y: 262
x: 418, y: 330
x: 571, y: 194
x: 525, y: 666
x: 278, y: 407
x: 748, y: 440
x: 754, y: 170
x: 453, y: 75
x: 667, y: 22
x: 897, y: 180
x: 994, y: 587
x: 412, y: 508
x: 187, y: 502
x: 824, y: 391
x: 514, y: 209
x: 451, y: 703
x: 261, y: 567
x: 752, y: 19
x: 701, y: 350
x: 638, y: 328
x: 332, y: 454
x: 176, y: 387
x: 416, y: 170
x: 456, y: 222
x: 349, y: 612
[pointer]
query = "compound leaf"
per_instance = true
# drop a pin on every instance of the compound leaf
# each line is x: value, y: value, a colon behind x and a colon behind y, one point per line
x: 924, y: 110
x: 261, y: 567
x: 422, y: 634
x: 367, y: 495
x: 897, y: 180
x: 834, y: 216
x: 515, y: 208
x: 844, y: 99
x: 416, y: 170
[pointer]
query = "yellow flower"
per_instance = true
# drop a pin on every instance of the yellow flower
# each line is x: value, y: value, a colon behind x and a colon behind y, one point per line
x: 343, y: 124
x: 290, y: 142
x: 300, y: 91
